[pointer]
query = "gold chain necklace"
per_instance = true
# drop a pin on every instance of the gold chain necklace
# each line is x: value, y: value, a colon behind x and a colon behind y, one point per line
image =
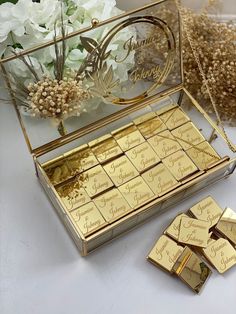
x: 196, y: 56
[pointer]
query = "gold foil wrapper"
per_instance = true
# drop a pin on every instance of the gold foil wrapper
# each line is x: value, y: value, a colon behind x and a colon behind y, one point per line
x: 221, y: 254
x: 173, y: 229
x: 143, y: 157
x: 164, y: 144
x: 88, y: 219
x: 194, y: 232
x: 112, y: 205
x: 72, y: 195
x: 96, y: 181
x: 188, y: 135
x: 160, y: 179
x: 121, y: 170
x: 128, y: 137
x: 165, y: 253
x: 208, y: 210
x: 136, y: 192
x: 203, y: 155
x: 150, y: 125
x: 180, y: 165
x: 105, y: 148
x: 227, y: 225
x: 174, y: 118
x: 192, y: 270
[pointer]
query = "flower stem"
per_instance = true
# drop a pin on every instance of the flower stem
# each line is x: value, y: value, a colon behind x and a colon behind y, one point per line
x: 61, y: 129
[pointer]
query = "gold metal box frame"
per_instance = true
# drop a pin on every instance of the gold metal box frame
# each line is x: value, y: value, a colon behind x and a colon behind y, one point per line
x: 140, y: 215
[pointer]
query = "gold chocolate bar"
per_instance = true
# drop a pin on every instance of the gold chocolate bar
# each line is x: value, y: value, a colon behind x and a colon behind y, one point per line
x: 192, y: 270
x: 70, y: 164
x: 227, y: 225
x: 136, y: 192
x: 174, y: 118
x: 80, y: 159
x: 208, y: 210
x: 58, y: 170
x: 188, y: 135
x: 121, y: 170
x: 112, y: 205
x: 128, y: 136
x: 173, y: 229
x: 144, y: 118
x: 105, y: 148
x: 88, y: 219
x: 72, y: 195
x: 165, y: 253
x: 180, y: 165
x: 143, y: 157
x: 203, y: 155
x: 166, y: 108
x: 221, y: 254
x: 160, y: 180
x: 96, y: 181
x: 194, y: 232
x: 164, y: 144
x: 150, y: 125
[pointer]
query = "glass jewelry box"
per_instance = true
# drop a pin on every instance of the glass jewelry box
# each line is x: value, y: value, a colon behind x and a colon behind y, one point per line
x: 143, y: 145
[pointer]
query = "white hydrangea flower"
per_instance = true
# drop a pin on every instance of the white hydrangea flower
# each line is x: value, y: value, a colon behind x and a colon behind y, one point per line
x: 101, y: 9
x: 45, y: 13
x: 29, y: 23
x: 13, y: 18
x: 75, y: 59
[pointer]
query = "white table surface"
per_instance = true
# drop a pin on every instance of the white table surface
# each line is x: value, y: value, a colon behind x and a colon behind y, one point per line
x: 41, y: 271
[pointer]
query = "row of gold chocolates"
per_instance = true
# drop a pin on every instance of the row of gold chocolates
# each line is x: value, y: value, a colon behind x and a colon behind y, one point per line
x: 205, y: 231
x: 94, y: 214
x: 149, y: 127
x: 140, y: 158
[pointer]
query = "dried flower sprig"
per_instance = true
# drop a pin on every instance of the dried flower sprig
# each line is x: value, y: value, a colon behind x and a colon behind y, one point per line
x: 216, y: 42
x: 50, y: 98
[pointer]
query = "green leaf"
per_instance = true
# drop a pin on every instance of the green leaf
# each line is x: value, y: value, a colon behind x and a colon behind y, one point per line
x: 12, y: 1
x: 17, y: 45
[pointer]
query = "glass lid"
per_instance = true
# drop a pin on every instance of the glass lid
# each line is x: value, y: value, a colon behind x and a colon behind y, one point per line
x: 95, y: 75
